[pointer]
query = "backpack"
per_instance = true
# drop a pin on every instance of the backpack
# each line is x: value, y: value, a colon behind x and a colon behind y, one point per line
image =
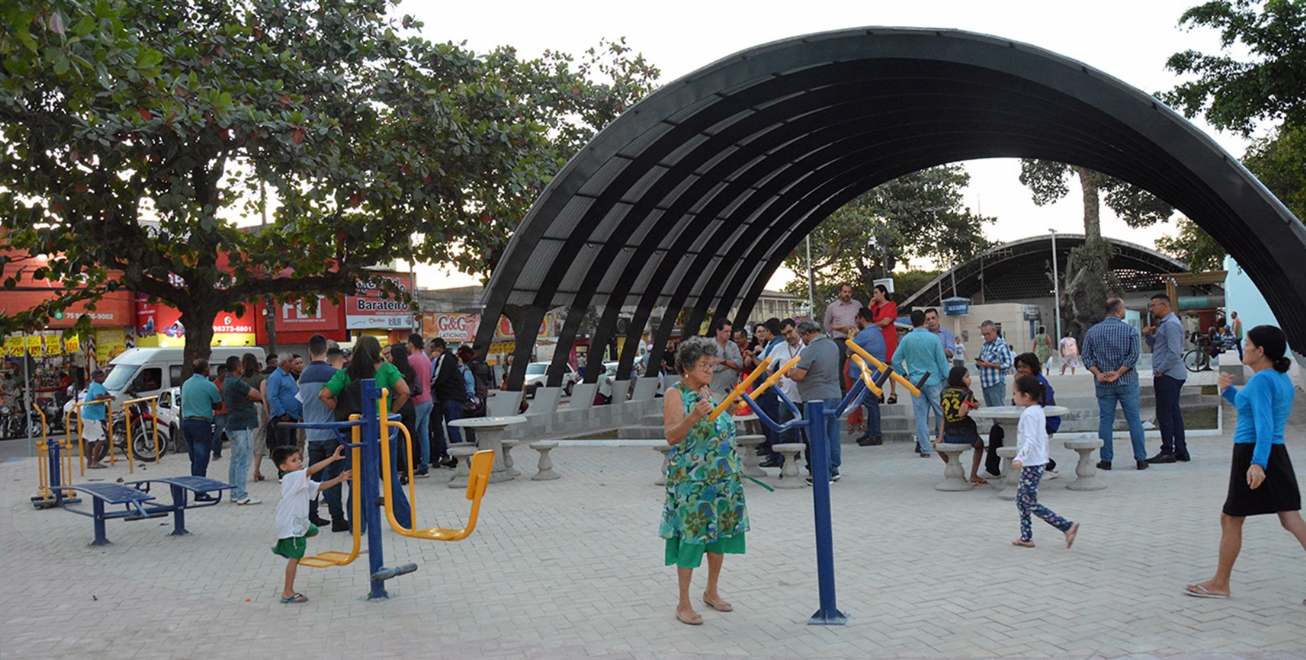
x: 349, y: 401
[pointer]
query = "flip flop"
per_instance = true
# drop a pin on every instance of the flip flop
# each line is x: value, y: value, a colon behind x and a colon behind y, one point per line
x: 696, y: 620
x: 258, y: 477
x: 1198, y: 591
x: 720, y: 605
x: 1023, y: 544
x: 893, y: 398
x: 979, y: 482
x: 1070, y: 535
x: 297, y: 598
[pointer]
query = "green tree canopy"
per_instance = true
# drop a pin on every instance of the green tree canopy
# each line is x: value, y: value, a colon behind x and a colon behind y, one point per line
x: 919, y: 216
x: 137, y: 133
x: 1269, y: 84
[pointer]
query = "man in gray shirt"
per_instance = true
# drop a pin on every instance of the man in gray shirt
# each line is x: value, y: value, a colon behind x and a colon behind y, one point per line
x: 945, y: 335
x: 322, y: 443
x: 725, y: 375
x: 817, y: 376
x: 1168, y: 375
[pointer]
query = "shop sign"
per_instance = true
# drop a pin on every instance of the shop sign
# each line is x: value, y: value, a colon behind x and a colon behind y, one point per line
x: 293, y: 317
x: 14, y: 346
x: 34, y: 345
x: 368, y: 310
x: 451, y: 327
x: 109, y: 344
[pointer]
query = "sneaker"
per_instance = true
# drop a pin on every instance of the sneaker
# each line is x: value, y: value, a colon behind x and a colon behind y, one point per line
x: 1142, y: 465
x: 809, y: 479
x: 1049, y: 475
x: 835, y: 477
x: 421, y: 474
x: 1104, y: 465
x: 247, y: 500
x: 340, y: 526
x: 319, y: 521
x: 773, y: 462
x: 449, y: 462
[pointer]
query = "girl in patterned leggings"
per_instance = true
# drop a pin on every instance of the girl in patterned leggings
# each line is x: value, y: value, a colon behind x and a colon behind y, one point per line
x: 1031, y: 456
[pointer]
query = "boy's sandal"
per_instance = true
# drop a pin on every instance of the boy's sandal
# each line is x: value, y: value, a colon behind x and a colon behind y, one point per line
x: 297, y: 598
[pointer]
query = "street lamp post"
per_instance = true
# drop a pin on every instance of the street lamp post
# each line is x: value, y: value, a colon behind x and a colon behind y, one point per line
x: 1056, y: 286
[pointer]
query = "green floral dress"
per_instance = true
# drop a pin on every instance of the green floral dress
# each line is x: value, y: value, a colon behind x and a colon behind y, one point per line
x: 704, y: 510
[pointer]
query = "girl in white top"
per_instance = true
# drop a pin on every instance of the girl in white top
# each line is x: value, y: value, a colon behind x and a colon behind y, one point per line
x: 1031, y: 456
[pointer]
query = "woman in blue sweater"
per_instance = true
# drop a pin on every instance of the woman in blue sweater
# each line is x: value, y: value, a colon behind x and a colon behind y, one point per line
x: 1261, y: 479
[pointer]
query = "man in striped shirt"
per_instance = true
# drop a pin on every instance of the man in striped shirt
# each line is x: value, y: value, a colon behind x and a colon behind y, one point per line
x: 1110, y: 352
x: 993, y: 362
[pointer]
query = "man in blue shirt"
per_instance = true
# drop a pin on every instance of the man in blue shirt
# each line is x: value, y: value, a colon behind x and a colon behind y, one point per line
x: 945, y: 335
x: 919, y: 353
x: 93, y: 418
x: 1168, y: 375
x: 283, y: 404
x: 872, y: 341
x: 1110, y: 352
x: 994, y: 360
x: 199, y: 398
x: 321, y: 443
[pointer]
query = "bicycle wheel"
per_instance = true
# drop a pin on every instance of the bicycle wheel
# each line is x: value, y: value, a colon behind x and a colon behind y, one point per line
x: 1191, y: 359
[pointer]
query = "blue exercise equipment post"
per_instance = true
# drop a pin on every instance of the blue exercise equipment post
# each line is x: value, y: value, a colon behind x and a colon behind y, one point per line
x: 828, y: 613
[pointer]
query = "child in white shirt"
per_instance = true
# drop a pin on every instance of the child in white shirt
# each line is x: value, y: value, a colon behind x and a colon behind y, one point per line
x: 1031, y: 456
x: 293, y: 526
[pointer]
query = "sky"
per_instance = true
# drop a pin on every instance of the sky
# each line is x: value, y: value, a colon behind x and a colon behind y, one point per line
x: 1128, y: 40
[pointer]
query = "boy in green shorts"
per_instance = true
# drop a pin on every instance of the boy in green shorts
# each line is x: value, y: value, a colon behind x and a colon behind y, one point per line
x: 293, y: 527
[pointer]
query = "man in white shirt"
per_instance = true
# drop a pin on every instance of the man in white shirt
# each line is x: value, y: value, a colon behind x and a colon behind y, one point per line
x: 780, y: 354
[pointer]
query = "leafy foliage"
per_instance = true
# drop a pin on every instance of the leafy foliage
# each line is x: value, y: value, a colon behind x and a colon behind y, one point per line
x: 1279, y: 161
x: 1193, y: 246
x: 1233, y: 94
x: 917, y: 216
x: 137, y: 133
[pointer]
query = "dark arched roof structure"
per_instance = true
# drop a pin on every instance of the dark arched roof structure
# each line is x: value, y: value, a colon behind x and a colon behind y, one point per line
x: 693, y: 197
x: 1016, y: 270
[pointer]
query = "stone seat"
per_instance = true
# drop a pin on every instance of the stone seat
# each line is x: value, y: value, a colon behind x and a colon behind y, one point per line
x: 954, y: 473
x: 1085, y: 470
x: 462, y: 451
x: 748, y: 445
x: 789, y: 477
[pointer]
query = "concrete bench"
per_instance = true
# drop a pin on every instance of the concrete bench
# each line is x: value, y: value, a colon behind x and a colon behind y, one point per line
x: 789, y: 477
x: 544, y: 471
x: 1085, y: 470
x: 748, y: 445
x: 666, y: 463
x: 954, y: 473
x: 462, y: 451
x: 1006, y: 484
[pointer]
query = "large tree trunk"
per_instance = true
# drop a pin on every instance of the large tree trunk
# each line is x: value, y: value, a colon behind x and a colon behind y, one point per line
x: 1088, y: 282
x: 198, y: 321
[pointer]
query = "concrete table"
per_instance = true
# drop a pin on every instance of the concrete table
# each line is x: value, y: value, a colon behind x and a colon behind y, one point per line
x: 1007, y: 416
x: 489, y: 435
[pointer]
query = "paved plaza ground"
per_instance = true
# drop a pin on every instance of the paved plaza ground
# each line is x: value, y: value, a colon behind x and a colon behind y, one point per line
x: 573, y: 568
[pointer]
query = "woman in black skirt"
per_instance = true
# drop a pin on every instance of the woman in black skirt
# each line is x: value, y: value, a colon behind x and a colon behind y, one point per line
x: 1261, y: 479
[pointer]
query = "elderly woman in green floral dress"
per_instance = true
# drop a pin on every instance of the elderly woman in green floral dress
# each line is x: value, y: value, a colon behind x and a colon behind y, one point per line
x: 704, y: 511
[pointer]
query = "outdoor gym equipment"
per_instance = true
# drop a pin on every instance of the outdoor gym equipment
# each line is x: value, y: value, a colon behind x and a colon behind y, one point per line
x: 53, y: 461
x: 914, y: 388
x: 828, y: 613
x: 371, y: 464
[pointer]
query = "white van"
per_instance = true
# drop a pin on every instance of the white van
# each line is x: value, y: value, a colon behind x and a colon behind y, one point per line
x: 141, y: 372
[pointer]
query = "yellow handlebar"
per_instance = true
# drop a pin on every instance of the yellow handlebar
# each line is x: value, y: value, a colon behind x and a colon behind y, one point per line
x: 866, y: 375
x: 911, y: 387
x: 775, y: 377
x: 739, y: 390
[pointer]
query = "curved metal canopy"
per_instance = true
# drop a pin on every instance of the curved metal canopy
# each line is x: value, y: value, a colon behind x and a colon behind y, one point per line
x: 1014, y: 270
x: 694, y: 196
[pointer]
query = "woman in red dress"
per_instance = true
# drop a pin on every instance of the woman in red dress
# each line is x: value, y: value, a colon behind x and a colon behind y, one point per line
x: 884, y: 313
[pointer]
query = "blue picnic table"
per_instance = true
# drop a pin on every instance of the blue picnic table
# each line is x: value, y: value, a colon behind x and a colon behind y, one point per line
x: 139, y: 504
